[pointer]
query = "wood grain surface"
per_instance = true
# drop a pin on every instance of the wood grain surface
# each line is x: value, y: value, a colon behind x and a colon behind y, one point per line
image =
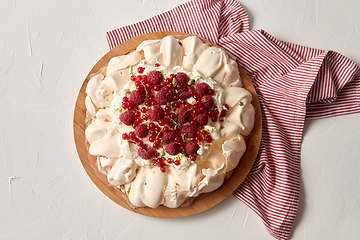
x: 201, y: 203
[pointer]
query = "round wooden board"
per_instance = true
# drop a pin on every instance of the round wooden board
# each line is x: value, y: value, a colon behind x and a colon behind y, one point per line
x: 201, y: 203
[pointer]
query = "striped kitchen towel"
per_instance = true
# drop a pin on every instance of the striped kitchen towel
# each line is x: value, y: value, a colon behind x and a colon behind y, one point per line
x: 292, y: 82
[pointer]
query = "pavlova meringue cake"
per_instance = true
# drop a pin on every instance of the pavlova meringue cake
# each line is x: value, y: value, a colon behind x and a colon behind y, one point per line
x: 168, y: 121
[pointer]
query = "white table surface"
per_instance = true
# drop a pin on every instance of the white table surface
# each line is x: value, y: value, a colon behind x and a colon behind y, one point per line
x: 48, y: 47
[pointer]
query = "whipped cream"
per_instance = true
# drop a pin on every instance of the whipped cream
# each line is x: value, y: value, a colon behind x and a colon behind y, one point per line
x: 212, y: 128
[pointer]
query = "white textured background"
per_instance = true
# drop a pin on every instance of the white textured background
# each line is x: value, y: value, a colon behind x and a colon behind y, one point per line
x: 48, y: 47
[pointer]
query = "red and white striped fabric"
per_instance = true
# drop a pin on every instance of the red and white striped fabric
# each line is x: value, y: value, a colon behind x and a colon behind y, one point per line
x: 292, y: 82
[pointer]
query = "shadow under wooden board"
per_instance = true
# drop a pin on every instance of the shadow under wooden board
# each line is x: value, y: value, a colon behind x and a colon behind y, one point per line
x: 201, y: 203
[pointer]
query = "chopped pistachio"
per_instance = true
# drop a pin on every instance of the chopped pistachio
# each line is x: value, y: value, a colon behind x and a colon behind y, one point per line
x: 174, y: 82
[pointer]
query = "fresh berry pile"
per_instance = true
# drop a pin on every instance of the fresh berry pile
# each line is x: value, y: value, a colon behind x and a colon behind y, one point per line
x: 161, y: 116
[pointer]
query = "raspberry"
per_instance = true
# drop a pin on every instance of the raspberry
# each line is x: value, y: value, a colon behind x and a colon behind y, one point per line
x: 127, y: 117
x: 156, y: 113
x: 188, y: 92
x: 171, y: 149
x: 202, y: 89
x: 137, y: 97
x: 182, y: 78
x: 141, y: 130
x: 207, y: 101
x: 183, y: 115
x: 189, y: 131
x: 202, y: 118
x: 155, y: 77
x: 163, y: 96
x: 168, y: 136
x: 146, y: 152
x: 191, y: 148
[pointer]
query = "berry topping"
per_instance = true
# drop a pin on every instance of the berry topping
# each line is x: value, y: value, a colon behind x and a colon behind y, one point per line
x: 137, y: 97
x: 183, y: 115
x: 125, y: 136
x: 182, y: 78
x: 146, y: 152
x: 155, y: 77
x: 188, y: 92
x: 163, y: 120
x: 140, y: 70
x: 208, y: 139
x: 168, y: 136
x: 207, y: 101
x: 172, y: 149
x: 163, y: 96
x: 141, y: 130
x: 191, y: 148
x: 202, y: 89
x: 202, y: 118
x: 156, y: 113
x: 127, y: 117
x: 189, y: 131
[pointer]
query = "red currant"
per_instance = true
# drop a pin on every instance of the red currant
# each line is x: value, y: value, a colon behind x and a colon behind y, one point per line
x: 132, y: 135
x: 125, y: 105
x: 133, y: 78
x: 145, y: 117
x: 140, y: 88
x: 156, y: 145
x: 140, y: 70
x: 162, y: 122
x: 172, y: 115
x: 187, y: 105
x: 166, y: 129
x: 157, y: 87
x: 125, y: 136
x: 196, y: 111
x: 167, y: 108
